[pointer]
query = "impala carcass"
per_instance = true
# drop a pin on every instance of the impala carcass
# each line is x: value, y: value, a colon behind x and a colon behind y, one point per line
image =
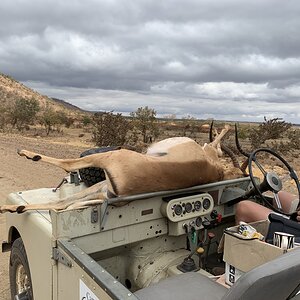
x: 175, y: 199
x: 170, y: 164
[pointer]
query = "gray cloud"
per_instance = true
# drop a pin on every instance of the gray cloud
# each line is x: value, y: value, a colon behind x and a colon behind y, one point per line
x: 225, y: 59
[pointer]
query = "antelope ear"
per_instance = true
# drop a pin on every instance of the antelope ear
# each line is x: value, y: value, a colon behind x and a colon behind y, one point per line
x: 219, y: 150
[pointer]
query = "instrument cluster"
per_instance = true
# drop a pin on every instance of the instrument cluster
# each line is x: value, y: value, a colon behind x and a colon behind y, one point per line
x: 188, y: 207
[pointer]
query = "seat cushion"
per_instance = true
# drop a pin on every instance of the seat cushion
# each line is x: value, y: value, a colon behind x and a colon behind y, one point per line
x: 187, y: 286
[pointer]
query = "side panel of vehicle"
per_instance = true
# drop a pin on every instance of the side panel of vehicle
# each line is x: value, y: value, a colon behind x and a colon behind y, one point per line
x: 35, y: 231
x: 80, y: 277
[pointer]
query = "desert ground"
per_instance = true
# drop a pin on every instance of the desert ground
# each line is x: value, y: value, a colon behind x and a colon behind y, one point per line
x: 18, y: 173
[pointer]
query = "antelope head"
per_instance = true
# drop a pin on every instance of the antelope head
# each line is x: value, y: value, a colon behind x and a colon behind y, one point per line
x: 213, y: 132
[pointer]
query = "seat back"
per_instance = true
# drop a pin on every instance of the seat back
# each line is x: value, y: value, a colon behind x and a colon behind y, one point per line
x: 277, y: 280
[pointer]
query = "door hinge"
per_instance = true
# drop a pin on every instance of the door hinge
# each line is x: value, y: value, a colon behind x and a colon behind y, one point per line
x: 94, y: 215
x: 61, y: 258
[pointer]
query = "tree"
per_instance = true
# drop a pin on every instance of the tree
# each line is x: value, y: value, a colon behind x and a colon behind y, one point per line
x: 23, y: 112
x: 4, y: 117
x: 61, y: 118
x: 110, y: 129
x: 190, y: 125
x: 51, y: 118
x: 145, y: 123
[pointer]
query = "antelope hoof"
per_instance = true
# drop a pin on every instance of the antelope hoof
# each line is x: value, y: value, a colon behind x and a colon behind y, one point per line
x: 29, y: 155
x: 20, y: 209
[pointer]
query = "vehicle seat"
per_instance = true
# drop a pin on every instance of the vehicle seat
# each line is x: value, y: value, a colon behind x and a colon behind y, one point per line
x: 276, y: 280
x: 187, y: 286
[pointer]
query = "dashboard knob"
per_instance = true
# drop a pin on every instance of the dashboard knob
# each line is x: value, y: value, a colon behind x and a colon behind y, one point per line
x: 214, y: 214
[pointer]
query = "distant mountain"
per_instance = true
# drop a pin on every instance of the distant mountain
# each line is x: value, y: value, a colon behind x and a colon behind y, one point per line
x: 67, y: 104
x: 11, y: 89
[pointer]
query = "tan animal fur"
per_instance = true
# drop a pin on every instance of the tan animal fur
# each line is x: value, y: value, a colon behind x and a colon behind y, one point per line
x: 169, y: 164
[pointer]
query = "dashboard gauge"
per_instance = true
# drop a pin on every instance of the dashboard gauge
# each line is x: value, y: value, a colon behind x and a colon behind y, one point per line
x: 206, y: 203
x: 198, y: 221
x: 178, y: 209
x: 197, y: 205
x: 188, y: 207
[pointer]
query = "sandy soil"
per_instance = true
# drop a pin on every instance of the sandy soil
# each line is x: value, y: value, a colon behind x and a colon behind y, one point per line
x: 18, y: 173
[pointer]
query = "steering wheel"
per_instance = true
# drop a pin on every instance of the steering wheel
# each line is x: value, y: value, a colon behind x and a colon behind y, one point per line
x: 272, y: 181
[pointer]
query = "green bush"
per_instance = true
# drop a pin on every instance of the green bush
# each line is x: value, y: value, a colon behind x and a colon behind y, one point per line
x: 110, y: 129
x: 144, y: 123
x: 53, y: 120
x: 272, y: 129
x: 23, y: 112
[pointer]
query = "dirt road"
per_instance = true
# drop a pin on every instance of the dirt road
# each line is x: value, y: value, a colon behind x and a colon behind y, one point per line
x: 18, y: 173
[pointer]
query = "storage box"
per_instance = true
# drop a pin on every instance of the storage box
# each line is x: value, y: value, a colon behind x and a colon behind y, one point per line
x: 232, y: 274
x: 242, y: 255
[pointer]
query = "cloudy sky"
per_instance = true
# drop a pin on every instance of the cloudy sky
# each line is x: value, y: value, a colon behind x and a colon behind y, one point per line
x: 222, y: 59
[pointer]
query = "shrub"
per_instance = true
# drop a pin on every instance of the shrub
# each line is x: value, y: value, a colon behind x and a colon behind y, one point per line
x: 144, y: 123
x: 23, y: 112
x: 4, y: 118
x: 190, y: 126
x: 272, y: 129
x: 110, y: 129
x: 86, y: 120
x: 51, y: 119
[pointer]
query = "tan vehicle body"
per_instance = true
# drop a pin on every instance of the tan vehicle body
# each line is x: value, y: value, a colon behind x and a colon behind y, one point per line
x: 108, y: 252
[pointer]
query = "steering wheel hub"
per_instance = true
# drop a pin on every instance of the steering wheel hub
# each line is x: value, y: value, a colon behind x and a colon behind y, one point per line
x: 274, y: 182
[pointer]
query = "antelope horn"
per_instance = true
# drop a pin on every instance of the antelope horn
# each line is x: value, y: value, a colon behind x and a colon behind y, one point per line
x: 244, y: 167
x: 235, y: 162
x: 238, y: 143
x: 211, y: 137
x: 230, y: 153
